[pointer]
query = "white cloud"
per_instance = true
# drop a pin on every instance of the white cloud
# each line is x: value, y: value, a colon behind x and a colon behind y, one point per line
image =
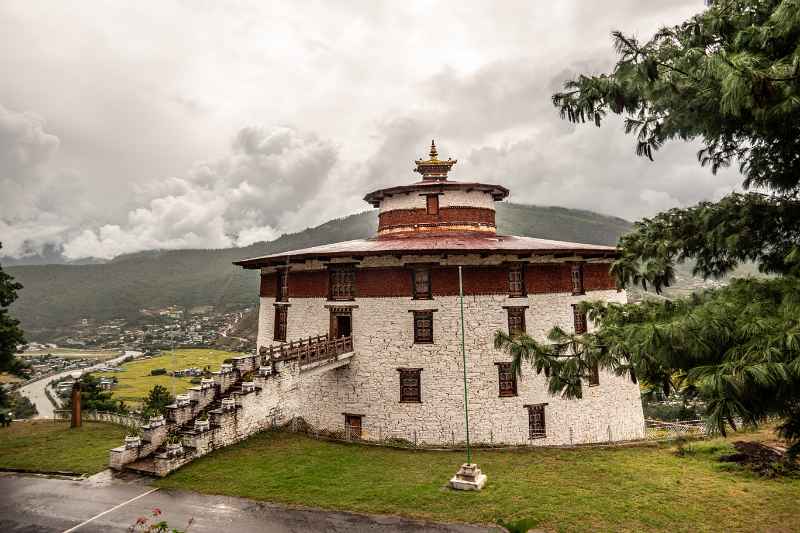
x: 234, y: 201
x: 144, y: 145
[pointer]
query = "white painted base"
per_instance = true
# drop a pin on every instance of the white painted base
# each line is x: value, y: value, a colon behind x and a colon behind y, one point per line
x: 468, y: 477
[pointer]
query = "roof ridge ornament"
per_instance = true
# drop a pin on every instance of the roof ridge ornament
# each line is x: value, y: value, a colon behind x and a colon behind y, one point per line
x: 434, y: 169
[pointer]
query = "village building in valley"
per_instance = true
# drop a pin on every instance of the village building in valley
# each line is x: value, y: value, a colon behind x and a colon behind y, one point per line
x: 364, y: 337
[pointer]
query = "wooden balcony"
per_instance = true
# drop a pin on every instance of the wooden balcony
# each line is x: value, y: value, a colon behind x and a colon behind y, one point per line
x: 308, y: 351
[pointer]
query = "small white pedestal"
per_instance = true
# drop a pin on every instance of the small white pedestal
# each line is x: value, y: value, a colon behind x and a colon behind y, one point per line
x: 468, y: 477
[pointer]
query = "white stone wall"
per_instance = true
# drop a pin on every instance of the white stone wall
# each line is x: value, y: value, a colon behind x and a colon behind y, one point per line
x: 383, y: 340
x: 457, y: 198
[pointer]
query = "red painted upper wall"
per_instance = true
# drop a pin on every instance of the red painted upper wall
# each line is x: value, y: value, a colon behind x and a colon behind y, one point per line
x: 397, y: 282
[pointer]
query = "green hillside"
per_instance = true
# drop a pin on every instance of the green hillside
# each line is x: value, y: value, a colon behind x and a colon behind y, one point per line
x: 59, y: 295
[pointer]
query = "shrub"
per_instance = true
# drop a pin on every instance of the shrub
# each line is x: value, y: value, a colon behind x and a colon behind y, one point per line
x: 158, y: 371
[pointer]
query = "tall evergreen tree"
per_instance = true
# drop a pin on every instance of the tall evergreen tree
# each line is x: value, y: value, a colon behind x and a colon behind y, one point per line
x: 11, y: 335
x: 729, y: 78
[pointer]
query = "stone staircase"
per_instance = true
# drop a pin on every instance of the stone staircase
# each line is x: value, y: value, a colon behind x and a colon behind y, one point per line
x: 243, y: 397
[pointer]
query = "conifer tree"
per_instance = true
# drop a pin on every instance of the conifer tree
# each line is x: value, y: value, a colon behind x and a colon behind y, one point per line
x: 729, y: 78
x: 11, y: 335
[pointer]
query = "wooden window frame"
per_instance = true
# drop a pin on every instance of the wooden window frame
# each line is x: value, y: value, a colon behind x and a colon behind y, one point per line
x: 432, y: 204
x: 279, y: 334
x: 418, y: 316
x: 580, y: 323
x: 510, y: 390
x: 347, y: 423
x: 516, y: 312
x: 334, y: 283
x: 512, y: 291
x: 577, y: 277
x: 414, y: 374
x: 537, y: 430
x: 426, y: 295
x: 282, y: 285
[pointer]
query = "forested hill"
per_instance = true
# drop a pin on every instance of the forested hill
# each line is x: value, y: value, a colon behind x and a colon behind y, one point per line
x: 58, y: 295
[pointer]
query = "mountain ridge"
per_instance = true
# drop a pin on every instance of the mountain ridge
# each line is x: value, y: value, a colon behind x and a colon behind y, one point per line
x: 57, y: 295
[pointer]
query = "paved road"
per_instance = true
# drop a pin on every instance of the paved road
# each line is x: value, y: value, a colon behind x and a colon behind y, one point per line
x: 41, y: 504
x: 35, y: 391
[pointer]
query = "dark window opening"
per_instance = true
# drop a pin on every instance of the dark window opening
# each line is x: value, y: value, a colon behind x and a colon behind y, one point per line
x: 282, y: 290
x: 536, y: 423
x: 410, y: 388
x: 516, y: 280
x: 423, y: 327
x: 352, y: 426
x: 422, y: 283
x: 281, y: 315
x: 507, y: 380
x: 341, y: 323
x: 577, y: 278
x: 343, y: 284
x: 579, y: 320
x: 516, y: 321
x: 432, y: 203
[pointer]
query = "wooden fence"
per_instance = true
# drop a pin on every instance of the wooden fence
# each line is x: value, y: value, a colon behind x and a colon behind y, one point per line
x: 121, y: 419
x: 308, y: 351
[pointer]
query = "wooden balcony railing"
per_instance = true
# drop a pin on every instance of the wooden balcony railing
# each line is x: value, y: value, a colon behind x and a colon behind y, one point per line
x: 310, y: 350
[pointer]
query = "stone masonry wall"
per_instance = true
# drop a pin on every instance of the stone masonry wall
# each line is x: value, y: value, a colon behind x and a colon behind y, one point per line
x: 383, y: 339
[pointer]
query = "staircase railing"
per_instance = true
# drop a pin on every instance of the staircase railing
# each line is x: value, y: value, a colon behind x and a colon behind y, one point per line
x: 308, y: 351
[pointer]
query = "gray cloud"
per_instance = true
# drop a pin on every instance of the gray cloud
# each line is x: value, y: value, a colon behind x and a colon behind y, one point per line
x: 146, y: 143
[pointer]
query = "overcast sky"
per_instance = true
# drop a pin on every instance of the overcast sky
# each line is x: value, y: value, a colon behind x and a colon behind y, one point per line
x: 127, y: 126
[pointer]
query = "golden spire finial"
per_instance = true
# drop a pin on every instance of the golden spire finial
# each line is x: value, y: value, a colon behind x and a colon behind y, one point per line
x: 433, y: 168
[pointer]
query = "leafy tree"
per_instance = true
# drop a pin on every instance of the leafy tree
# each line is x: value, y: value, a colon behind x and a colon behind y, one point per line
x: 729, y: 78
x: 11, y: 335
x: 157, y: 400
x: 93, y: 397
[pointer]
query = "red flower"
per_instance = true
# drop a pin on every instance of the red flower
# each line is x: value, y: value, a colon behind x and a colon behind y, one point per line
x: 141, y: 520
x: 156, y: 511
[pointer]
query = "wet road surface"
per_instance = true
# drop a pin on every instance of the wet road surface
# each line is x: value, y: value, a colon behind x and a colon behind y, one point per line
x: 105, y: 503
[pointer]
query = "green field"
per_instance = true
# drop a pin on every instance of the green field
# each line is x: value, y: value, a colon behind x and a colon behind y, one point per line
x: 135, y: 382
x: 645, y: 488
x: 46, y: 446
x: 75, y: 353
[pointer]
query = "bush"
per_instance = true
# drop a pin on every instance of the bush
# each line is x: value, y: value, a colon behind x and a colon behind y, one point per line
x: 158, y: 371
x: 671, y: 412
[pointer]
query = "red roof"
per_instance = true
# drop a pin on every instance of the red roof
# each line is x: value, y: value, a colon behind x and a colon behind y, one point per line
x: 427, y: 244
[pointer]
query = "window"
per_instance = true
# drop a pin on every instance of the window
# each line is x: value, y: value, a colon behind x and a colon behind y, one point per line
x: 594, y: 376
x: 536, y: 425
x: 282, y: 290
x: 281, y: 314
x: 507, y: 380
x: 341, y: 322
x: 422, y: 283
x: 410, y: 385
x: 577, y: 278
x: 352, y: 426
x: 516, y: 320
x: 579, y: 320
x: 423, y: 327
x: 432, y: 202
x: 516, y: 280
x: 343, y: 283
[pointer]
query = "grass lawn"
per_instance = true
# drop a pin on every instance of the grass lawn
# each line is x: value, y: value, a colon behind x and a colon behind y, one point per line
x: 602, y: 489
x: 47, y: 446
x: 135, y: 382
